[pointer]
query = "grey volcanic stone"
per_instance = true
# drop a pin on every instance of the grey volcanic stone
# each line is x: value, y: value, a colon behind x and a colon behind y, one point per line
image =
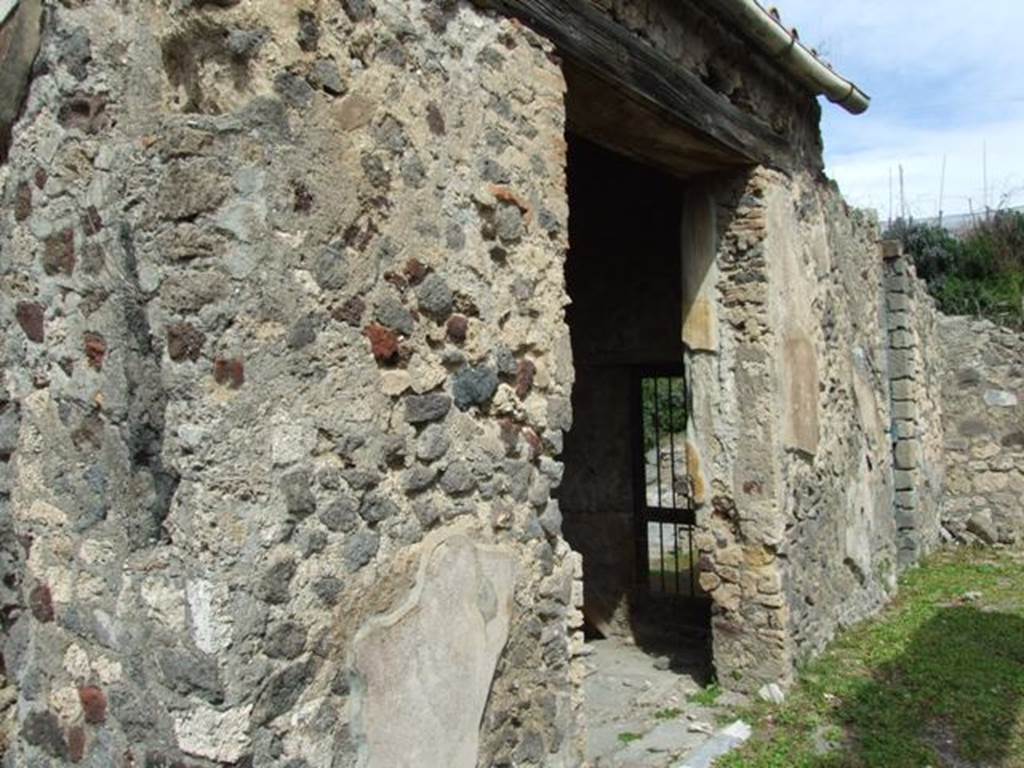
x: 420, y: 409
x: 376, y: 508
x: 340, y: 515
x: 418, y: 479
x: 42, y: 729
x: 286, y: 640
x: 394, y: 315
x: 192, y: 673
x: 327, y: 588
x: 303, y: 333
x: 325, y: 76
x: 435, y: 297
x: 297, y: 494
x: 360, y: 549
x: 275, y: 585
x: 433, y: 443
x: 474, y: 386
x: 458, y: 479
x: 281, y: 691
x: 330, y: 270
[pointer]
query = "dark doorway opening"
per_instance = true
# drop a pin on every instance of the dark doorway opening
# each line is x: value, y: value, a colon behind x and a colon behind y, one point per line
x: 625, y: 497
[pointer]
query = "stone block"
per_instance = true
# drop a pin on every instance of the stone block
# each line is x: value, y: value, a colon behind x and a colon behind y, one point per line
x: 906, y: 499
x: 891, y: 249
x: 904, y: 429
x: 905, y: 411
x: 902, y: 364
x: 907, y: 454
x: 897, y: 283
x: 903, y: 479
x: 903, y: 389
x: 902, y: 339
x: 900, y: 320
x: 899, y: 302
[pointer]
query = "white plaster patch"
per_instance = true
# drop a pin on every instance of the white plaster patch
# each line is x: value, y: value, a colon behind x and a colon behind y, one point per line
x: 394, y: 383
x: 45, y: 514
x: 164, y: 601
x: 96, y: 552
x: 76, y: 662
x: 425, y: 670
x: 64, y: 701
x: 211, y: 624
x: 108, y: 670
x: 292, y: 439
x: 219, y: 736
x: 47, y: 561
x: 995, y: 398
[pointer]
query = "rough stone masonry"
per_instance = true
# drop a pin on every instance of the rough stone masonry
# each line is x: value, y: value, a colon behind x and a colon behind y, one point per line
x: 286, y: 375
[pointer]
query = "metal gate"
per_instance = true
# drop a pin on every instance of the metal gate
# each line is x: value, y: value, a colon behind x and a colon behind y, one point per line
x: 663, y: 493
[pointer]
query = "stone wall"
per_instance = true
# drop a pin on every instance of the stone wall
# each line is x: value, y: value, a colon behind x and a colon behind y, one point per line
x: 791, y: 414
x: 916, y: 428
x: 982, y: 369
x: 285, y: 373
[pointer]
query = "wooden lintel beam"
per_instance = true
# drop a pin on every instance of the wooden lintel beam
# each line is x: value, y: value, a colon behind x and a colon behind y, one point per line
x: 598, y: 44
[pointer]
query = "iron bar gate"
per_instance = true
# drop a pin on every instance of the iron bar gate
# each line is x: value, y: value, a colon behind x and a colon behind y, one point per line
x: 663, y: 493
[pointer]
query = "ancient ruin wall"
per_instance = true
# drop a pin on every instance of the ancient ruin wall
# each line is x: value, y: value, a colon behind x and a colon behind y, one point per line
x: 838, y: 549
x: 982, y: 368
x: 285, y: 368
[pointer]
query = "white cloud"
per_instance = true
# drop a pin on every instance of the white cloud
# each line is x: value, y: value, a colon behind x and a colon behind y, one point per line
x: 944, y: 77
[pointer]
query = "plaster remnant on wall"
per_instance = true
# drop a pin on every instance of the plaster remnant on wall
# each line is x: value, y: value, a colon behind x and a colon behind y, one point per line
x: 800, y: 384
x: 425, y: 670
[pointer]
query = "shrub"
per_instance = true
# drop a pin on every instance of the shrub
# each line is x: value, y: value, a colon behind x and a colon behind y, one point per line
x: 980, y: 273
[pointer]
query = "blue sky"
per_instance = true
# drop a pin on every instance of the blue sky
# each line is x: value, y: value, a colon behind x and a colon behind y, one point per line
x: 946, y: 77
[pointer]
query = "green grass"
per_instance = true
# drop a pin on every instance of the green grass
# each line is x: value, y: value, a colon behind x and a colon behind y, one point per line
x: 628, y: 737
x: 937, y: 680
x: 706, y: 697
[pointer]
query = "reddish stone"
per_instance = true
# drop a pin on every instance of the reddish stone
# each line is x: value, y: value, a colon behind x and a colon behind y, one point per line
x: 40, y: 178
x: 383, y: 343
x: 415, y: 271
x: 76, y: 743
x: 30, y: 318
x: 229, y: 372
x: 92, y: 223
x: 95, y: 350
x: 457, y: 328
x: 59, y: 253
x: 94, y: 704
x: 509, y: 431
x: 396, y: 280
x: 534, y: 441
x: 350, y: 312
x: 184, y: 341
x: 525, y: 372
x: 23, y: 202
x: 40, y: 602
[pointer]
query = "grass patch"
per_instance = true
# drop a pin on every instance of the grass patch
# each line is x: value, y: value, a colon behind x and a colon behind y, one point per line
x: 706, y: 697
x: 670, y: 713
x: 628, y: 737
x: 937, y: 680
